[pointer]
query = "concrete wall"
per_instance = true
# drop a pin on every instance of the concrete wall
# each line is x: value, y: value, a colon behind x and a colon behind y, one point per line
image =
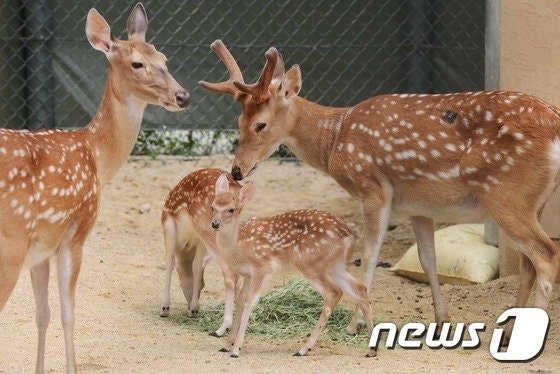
x: 530, y: 47
x: 530, y: 62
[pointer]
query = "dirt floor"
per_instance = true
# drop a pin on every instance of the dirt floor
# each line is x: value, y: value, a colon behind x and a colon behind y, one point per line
x: 120, y: 287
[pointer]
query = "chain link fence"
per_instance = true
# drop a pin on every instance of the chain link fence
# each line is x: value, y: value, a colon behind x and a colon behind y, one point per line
x: 348, y: 50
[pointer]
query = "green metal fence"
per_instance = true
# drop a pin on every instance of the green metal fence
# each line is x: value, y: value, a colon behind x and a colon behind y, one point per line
x: 348, y: 50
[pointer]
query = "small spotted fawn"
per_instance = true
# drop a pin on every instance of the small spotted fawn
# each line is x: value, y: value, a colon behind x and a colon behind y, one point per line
x: 452, y: 157
x: 189, y: 238
x: 50, y: 181
x: 315, y: 243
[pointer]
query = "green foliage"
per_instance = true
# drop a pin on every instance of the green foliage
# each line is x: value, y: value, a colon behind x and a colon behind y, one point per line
x: 184, y: 143
x: 153, y: 142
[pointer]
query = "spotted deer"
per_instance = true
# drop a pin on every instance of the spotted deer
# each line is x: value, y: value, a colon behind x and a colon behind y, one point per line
x: 50, y: 181
x: 189, y: 238
x: 453, y: 157
x: 314, y: 242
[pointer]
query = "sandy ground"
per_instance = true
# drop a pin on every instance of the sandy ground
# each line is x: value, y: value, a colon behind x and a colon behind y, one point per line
x: 119, y: 292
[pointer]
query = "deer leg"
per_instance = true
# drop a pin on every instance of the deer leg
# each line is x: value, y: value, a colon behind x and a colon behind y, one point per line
x: 253, y: 294
x: 68, y: 265
x: 376, y: 212
x: 8, y: 279
x: 331, y: 294
x: 240, y: 297
x: 184, y: 260
x: 424, y: 231
x: 229, y: 283
x: 526, y: 281
x: 358, y: 292
x: 198, y: 277
x: 40, y: 283
x: 527, y: 275
x: 12, y: 255
x: 539, y: 260
x: 170, y: 236
x: 363, y: 303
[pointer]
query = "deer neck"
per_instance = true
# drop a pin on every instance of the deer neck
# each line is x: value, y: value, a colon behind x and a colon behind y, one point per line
x: 227, y: 239
x: 315, y: 132
x: 114, y: 129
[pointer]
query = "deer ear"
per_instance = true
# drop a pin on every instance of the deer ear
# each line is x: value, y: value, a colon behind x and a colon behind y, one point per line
x: 137, y: 23
x: 222, y: 184
x: 98, y: 32
x: 246, y: 193
x: 291, y: 83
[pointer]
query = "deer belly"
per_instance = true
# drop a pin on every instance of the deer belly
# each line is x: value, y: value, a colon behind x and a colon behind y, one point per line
x: 466, y: 208
x: 38, y: 253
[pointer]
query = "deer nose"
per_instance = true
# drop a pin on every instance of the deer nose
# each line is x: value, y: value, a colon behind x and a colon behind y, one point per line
x: 215, y: 224
x: 236, y: 173
x: 182, y: 98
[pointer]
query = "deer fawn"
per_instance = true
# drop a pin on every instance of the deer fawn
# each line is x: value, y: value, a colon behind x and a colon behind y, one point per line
x: 188, y: 236
x: 455, y: 157
x: 50, y: 181
x: 316, y: 243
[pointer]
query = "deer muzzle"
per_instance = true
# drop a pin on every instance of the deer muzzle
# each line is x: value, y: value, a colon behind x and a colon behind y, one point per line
x: 216, y: 224
x: 236, y: 173
x: 182, y: 98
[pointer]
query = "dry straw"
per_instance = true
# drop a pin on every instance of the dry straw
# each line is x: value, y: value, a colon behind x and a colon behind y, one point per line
x: 287, y: 312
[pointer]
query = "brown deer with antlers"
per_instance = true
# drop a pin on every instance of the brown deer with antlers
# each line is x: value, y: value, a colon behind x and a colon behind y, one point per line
x: 314, y: 242
x: 455, y: 157
x: 50, y: 181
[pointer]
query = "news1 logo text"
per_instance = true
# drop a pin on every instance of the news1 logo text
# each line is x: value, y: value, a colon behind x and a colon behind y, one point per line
x: 527, y: 340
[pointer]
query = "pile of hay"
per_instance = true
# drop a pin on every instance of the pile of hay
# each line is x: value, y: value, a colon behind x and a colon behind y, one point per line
x: 287, y: 312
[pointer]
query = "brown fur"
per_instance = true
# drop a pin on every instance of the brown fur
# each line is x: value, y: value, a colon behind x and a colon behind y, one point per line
x: 314, y: 242
x: 454, y: 157
x: 50, y: 181
x: 185, y: 219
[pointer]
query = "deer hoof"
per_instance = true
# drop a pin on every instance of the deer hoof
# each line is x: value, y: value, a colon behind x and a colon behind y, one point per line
x: 164, y: 312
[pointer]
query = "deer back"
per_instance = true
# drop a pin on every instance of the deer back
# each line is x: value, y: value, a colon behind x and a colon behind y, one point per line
x: 301, y: 238
x: 194, y: 195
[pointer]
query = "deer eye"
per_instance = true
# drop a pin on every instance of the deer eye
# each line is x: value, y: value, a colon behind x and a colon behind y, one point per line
x: 260, y: 126
x: 232, y: 210
x: 212, y: 208
x: 137, y: 65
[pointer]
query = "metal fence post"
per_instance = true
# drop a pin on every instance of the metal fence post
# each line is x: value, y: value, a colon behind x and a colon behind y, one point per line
x: 492, y: 82
x: 418, y: 34
x: 40, y: 79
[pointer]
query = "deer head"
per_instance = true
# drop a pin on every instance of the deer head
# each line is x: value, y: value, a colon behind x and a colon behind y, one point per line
x: 139, y: 69
x: 227, y: 206
x: 267, y: 117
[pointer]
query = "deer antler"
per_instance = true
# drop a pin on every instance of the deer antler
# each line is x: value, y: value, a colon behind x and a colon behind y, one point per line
x: 234, y: 72
x: 273, y: 67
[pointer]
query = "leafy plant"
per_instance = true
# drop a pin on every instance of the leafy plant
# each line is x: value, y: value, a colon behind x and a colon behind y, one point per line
x: 152, y: 142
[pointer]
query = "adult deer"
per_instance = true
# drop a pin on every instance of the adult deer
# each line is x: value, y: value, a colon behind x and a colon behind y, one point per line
x: 315, y: 243
x: 50, y: 181
x: 455, y: 157
x: 188, y: 238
